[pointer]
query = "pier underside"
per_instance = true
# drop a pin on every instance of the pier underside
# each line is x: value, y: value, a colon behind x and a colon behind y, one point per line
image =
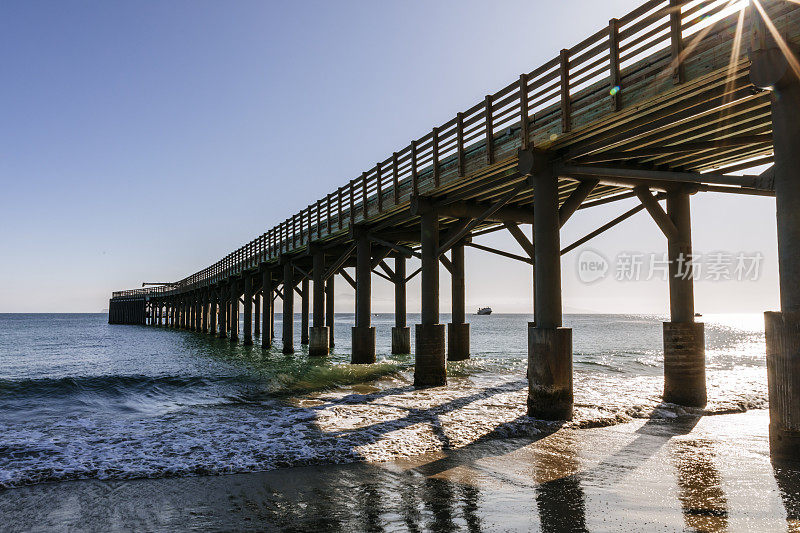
x: 674, y: 99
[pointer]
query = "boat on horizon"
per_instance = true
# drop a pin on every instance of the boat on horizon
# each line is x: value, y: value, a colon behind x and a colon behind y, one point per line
x: 485, y: 311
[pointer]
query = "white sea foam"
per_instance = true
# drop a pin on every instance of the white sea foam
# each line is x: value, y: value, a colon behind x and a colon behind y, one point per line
x: 231, y: 420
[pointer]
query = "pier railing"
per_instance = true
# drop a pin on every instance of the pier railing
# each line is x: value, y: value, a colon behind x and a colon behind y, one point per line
x: 647, y: 47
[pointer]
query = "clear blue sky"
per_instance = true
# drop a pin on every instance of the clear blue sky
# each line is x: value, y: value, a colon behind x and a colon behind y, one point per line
x: 141, y: 141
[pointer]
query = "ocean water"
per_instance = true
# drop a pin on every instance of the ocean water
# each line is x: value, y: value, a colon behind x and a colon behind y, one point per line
x: 81, y: 399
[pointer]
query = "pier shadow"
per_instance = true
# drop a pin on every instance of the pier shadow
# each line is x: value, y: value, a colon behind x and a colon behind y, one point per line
x: 650, y: 438
x: 787, y: 477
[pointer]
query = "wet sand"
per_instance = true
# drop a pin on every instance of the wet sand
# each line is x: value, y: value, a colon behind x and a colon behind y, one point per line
x: 698, y: 474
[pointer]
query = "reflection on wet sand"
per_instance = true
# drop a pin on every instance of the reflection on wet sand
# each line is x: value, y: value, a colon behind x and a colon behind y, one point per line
x: 703, y: 501
x: 559, y: 494
x: 610, y: 479
x: 788, y: 478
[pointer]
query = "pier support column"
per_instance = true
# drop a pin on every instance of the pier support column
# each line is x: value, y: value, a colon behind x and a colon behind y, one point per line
x: 304, y: 307
x: 329, y: 308
x: 458, y: 329
x: 684, y: 340
x: 320, y: 338
x: 212, y: 313
x: 196, y: 310
x: 430, y: 366
x: 223, y: 313
x: 288, y: 308
x: 257, y: 314
x: 401, y: 333
x: 363, y: 332
x: 266, y: 309
x: 248, y: 310
x: 770, y: 70
x: 549, y: 344
x: 233, y: 313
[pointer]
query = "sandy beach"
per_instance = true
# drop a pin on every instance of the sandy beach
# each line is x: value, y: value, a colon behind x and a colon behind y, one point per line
x: 699, y: 474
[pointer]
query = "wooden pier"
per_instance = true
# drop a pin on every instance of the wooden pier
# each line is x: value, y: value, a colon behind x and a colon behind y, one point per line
x: 661, y: 104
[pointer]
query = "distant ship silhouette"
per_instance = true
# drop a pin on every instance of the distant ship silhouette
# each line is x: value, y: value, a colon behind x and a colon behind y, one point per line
x: 485, y: 311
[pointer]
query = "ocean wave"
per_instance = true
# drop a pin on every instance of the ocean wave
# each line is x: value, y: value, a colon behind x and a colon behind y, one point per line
x: 246, y: 387
x: 342, y: 425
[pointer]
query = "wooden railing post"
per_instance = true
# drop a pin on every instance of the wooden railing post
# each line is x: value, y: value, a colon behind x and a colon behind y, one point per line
x: 378, y: 179
x: 489, y: 131
x: 676, y: 37
x: 566, y: 100
x: 435, y: 156
x: 341, y: 211
x: 328, y: 225
x: 414, y: 177
x: 364, y: 194
x: 616, y: 76
x: 395, y: 179
x: 460, y: 143
x: 352, y: 202
x: 523, y: 111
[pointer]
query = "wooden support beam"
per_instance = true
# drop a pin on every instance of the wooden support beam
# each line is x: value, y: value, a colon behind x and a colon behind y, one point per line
x: 382, y: 275
x: 657, y: 212
x: 348, y: 278
x: 379, y: 255
x: 737, y: 190
x: 728, y: 142
x: 608, y: 200
x: 466, y: 209
x: 520, y: 237
x: 483, y: 216
x: 413, y: 274
x: 603, y: 228
x: 337, y: 265
x: 389, y: 272
x: 446, y: 262
x: 304, y: 272
x: 655, y: 175
x: 500, y: 252
x: 452, y: 232
x: 394, y: 246
x: 574, y: 201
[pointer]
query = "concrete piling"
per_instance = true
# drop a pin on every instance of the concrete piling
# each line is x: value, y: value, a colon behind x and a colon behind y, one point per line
x: 458, y: 329
x: 401, y: 333
x: 304, y: 310
x: 329, y: 308
x: 288, y: 308
x: 233, y: 313
x: 363, y: 351
x: 684, y: 339
x: 430, y: 367
x: 320, y: 337
x: 267, y: 312
x: 771, y: 70
x: 550, y: 394
x: 248, y: 311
